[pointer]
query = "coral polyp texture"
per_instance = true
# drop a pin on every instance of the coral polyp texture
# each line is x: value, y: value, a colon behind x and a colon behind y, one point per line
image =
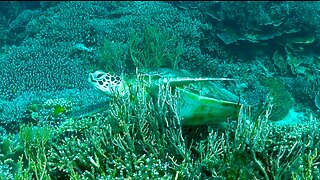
x: 55, y: 125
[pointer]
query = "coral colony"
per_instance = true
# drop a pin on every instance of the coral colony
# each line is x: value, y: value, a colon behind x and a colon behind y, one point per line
x: 159, y: 90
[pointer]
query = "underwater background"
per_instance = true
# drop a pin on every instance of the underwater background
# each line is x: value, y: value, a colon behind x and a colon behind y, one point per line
x: 55, y: 125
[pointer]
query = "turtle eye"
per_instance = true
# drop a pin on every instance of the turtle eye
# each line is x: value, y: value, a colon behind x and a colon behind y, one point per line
x: 99, y: 75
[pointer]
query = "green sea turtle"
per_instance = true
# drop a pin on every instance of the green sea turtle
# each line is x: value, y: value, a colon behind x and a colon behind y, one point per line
x: 200, y: 101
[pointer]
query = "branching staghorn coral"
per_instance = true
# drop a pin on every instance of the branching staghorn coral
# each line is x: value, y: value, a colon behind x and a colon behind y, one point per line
x: 34, y: 140
x: 140, y: 136
x: 134, y: 138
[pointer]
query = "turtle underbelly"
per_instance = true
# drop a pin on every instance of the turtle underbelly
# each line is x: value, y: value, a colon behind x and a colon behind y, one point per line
x: 198, y: 110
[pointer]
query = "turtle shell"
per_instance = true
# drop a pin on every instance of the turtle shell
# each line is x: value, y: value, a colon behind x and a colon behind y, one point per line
x: 190, y: 82
x: 201, y: 100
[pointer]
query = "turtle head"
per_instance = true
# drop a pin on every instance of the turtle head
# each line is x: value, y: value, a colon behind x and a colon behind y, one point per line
x: 107, y: 83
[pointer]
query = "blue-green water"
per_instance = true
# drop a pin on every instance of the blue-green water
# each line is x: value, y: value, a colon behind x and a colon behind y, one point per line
x: 55, y: 125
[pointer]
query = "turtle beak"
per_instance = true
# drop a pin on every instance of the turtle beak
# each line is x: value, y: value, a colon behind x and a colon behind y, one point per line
x: 91, y: 80
x: 95, y: 83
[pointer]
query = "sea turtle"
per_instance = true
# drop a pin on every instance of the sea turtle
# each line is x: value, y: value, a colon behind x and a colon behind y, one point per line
x: 200, y: 100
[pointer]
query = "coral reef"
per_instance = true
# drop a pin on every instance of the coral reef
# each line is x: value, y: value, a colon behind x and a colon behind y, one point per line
x: 281, y: 99
x: 140, y: 138
x: 53, y: 125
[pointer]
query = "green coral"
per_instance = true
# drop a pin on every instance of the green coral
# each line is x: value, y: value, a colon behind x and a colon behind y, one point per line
x: 282, y: 100
x: 34, y: 140
x: 150, y: 48
x: 141, y: 137
x: 113, y: 56
x: 132, y: 140
x: 10, y: 150
x: 155, y: 48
